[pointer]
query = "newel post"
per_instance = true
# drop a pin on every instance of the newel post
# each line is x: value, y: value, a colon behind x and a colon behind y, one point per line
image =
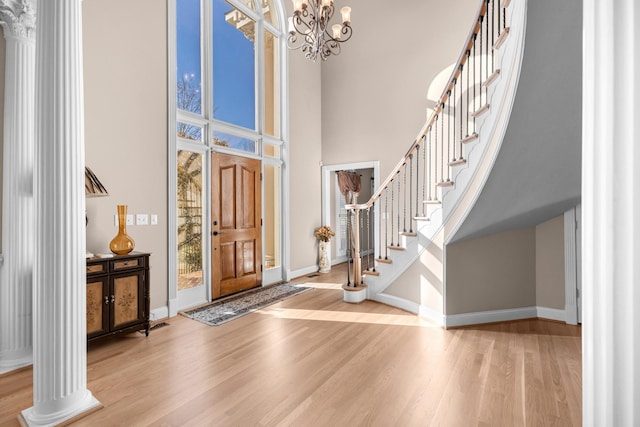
x: 355, y: 290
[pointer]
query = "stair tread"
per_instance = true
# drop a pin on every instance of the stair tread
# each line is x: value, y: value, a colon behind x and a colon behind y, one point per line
x: 491, y: 78
x: 457, y: 162
x: 395, y: 248
x: 371, y: 273
x: 431, y: 202
x: 421, y: 218
x: 408, y: 234
x: 500, y: 40
x: 445, y: 184
x: 480, y: 111
x: 469, y: 138
x: 384, y: 261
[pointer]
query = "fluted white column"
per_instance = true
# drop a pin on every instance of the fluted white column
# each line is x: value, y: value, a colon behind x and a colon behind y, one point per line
x: 59, y: 343
x: 17, y: 18
x: 611, y: 212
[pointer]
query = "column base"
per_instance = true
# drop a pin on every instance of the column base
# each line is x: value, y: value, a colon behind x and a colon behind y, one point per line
x: 355, y: 294
x: 87, y: 406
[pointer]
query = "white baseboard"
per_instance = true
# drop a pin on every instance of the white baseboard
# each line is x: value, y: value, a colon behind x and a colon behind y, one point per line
x: 394, y: 301
x: 302, y: 272
x: 159, y: 313
x: 431, y: 314
x: 552, y: 313
x: 464, y: 319
x: 173, y: 307
x: 13, y: 365
x: 339, y: 260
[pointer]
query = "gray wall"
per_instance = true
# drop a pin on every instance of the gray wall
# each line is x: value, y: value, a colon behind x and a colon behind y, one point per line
x: 550, y: 264
x: 512, y: 269
x: 493, y: 272
x: 537, y: 175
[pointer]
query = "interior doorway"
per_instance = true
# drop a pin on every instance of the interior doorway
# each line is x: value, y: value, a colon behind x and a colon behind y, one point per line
x: 333, y: 212
x: 236, y: 224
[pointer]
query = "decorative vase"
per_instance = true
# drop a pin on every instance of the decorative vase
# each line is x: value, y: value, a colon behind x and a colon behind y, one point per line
x: 122, y: 244
x: 324, y: 265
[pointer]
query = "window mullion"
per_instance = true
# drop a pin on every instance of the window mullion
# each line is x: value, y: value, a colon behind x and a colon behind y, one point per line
x: 259, y: 81
x: 207, y: 72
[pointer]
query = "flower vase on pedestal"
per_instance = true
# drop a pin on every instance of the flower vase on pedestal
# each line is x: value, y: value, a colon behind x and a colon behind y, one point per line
x: 324, y: 264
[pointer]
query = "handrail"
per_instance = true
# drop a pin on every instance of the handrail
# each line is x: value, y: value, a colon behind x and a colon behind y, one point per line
x: 462, y: 58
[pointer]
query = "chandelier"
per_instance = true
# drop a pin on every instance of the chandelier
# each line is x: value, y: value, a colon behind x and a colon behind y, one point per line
x: 310, y: 20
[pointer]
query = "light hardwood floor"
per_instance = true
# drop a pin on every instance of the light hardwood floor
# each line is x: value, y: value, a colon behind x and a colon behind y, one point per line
x: 313, y: 360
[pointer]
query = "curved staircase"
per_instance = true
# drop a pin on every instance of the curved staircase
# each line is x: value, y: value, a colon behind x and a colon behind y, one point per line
x: 430, y: 192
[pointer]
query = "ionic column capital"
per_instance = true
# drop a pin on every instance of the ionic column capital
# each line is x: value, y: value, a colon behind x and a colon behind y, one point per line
x: 18, y: 18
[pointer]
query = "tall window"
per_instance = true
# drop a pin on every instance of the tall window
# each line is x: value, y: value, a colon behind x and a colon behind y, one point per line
x: 228, y: 93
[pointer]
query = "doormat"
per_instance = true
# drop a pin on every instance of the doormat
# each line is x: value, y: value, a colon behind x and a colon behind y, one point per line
x: 219, y: 312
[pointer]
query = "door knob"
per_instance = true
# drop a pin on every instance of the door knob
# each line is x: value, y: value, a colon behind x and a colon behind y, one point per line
x: 215, y: 233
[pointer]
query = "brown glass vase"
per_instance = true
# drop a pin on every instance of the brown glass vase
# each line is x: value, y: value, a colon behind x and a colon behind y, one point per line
x: 122, y: 244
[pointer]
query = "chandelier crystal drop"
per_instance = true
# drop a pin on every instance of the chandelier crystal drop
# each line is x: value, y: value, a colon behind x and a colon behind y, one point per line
x: 311, y: 32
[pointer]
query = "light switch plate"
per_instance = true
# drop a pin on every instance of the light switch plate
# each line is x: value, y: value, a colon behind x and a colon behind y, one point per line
x: 154, y: 219
x: 129, y: 219
x: 142, y: 219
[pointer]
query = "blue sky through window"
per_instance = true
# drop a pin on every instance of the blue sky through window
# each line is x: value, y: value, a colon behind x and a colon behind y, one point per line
x: 188, y: 51
x: 233, y: 63
x: 233, y: 70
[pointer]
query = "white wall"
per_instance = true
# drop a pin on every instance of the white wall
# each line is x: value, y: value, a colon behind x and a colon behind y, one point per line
x: 372, y: 96
x: 305, y: 136
x: 125, y: 72
x: 375, y: 93
x: 368, y: 103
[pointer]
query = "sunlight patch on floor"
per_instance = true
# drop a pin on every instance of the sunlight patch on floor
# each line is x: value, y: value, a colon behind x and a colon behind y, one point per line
x: 350, y: 317
x: 322, y: 285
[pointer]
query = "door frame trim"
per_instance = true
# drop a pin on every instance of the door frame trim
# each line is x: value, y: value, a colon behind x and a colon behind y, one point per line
x: 570, y: 267
x: 326, y: 192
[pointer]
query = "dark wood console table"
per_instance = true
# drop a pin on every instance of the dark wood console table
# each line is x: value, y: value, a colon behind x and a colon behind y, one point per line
x: 118, y: 299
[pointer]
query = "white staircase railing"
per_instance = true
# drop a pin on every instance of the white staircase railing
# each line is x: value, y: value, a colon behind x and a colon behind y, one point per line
x: 430, y: 191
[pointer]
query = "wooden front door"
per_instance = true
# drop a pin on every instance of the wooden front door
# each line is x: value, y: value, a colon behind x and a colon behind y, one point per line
x: 236, y: 224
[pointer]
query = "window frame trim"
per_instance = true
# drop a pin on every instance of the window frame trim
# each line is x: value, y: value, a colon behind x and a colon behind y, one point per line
x: 209, y: 124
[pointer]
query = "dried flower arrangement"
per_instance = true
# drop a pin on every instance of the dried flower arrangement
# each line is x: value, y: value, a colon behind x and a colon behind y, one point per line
x: 324, y: 233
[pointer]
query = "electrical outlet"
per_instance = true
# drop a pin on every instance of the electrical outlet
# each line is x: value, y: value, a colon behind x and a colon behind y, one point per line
x: 154, y: 219
x: 142, y: 219
x: 129, y: 219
